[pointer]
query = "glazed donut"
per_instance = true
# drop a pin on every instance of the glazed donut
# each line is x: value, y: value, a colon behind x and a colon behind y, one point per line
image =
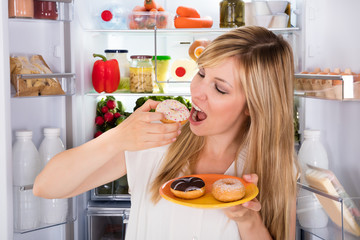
x: 228, y: 190
x: 174, y: 111
x: 188, y: 187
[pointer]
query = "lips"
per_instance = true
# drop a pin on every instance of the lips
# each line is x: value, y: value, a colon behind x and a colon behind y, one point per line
x: 196, y: 114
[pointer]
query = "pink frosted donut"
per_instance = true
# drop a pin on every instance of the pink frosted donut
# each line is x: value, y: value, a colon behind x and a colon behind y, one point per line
x: 228, y: 190
x: 174, y: 111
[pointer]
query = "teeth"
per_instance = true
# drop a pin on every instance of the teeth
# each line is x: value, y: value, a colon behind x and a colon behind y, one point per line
x: 196, y: 107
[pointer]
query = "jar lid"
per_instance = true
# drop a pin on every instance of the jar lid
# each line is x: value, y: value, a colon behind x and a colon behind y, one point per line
x: 51, y: 131
x: 311, y: 133
x: 141, y: 57
x: 116, y: 51
x: 23, y: 133
x: 161, y: 57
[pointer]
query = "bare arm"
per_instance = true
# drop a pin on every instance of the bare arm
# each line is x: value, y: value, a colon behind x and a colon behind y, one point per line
x: 102, y: 159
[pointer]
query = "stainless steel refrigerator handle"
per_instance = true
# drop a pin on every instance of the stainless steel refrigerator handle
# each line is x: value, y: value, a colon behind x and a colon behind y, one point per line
x: 25, y: 187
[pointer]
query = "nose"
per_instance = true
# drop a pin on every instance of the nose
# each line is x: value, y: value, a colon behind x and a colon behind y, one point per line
x: 198, y: 89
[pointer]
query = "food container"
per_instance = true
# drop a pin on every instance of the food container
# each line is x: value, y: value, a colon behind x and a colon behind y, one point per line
x: 162, y: 65
x: 148, y: 20
x: 232, y: 13
x: 45, y: 10
x: 21, y: 9
x: 142, y: 74
x: 124, y: 65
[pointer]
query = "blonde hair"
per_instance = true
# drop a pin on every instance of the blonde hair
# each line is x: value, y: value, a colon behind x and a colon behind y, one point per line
x: 266, y: 73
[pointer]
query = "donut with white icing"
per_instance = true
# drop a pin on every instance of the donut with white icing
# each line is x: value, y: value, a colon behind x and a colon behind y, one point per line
x: 188, y: 187
x: 174, y: 111
x: 228, y: 190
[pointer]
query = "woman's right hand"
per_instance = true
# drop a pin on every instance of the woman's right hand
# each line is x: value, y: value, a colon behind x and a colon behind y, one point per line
x: 143, y: 129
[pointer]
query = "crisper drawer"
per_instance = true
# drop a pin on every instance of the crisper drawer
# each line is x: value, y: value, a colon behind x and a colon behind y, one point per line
x: 112, y: 191
x: 107, y: 222
x: 324, y: 216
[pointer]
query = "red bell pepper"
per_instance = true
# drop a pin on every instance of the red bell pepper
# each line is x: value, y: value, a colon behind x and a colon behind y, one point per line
x: 105, y: 74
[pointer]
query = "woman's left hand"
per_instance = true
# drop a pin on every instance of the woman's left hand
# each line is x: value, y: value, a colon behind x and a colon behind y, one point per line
x: 242, y: 212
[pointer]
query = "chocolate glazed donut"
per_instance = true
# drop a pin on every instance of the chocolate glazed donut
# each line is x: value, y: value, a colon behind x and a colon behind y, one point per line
x: 188, y: 187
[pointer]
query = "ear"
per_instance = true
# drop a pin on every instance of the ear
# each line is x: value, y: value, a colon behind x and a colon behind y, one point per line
x: 247, y: 113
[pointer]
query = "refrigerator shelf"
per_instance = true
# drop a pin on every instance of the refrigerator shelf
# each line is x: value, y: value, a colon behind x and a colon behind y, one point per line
x: 36, y: 85
x: 342, y: 212
x: 330, y: 87
x: 122, y: 94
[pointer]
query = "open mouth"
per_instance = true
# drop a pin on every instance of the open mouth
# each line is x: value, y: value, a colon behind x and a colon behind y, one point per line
x: 197, y: 114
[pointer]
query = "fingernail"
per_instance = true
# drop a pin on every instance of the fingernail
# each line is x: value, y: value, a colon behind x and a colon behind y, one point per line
x: 247, y: 177
x: 174, y: 139
x: 245, y: 204
x: 179, y: 132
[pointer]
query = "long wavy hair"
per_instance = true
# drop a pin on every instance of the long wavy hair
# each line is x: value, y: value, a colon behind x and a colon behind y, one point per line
x: 266, y: 71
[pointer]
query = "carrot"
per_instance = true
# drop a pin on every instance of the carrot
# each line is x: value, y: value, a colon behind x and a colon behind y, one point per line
x: 154, y: 10
x: 185, y: 22
x: 139, y: 9
x: 161, y: 9
x: 187, y: 12
x: 149, y: 4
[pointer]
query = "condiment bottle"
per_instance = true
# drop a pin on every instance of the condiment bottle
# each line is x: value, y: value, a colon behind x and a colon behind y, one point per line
x: 21, y: 8
x: 52, y: 210
x: 142, y: 74
x: 232, y: 13
x: 309, y: 210
x: 162, y: 71
x: 26, y: 166
x: 45, y: 10
x: 124, y: 65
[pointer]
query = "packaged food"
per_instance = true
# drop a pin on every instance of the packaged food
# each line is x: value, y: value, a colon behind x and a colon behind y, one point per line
x: 45, y: 10
x: 148, y: 20
x: 183, y: 69
x: 326, y: 181
x: 162, y: 65
x: 197, y: 47
x: 21, y: 9
x: 124, y: 65
x: 33, y: 86
x: 232, y: 13
x: 142, y: 74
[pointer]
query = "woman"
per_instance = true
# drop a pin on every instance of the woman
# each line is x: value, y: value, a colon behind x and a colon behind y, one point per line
x: 241, y: 124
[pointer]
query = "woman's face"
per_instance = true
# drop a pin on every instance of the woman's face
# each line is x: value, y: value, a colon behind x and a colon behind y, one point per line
x: 219, y: 105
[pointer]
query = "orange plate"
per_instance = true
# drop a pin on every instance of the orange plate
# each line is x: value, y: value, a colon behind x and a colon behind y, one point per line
x: 207, y: 200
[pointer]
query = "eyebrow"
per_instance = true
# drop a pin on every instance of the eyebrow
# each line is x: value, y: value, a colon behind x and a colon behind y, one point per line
x: 222, y: 80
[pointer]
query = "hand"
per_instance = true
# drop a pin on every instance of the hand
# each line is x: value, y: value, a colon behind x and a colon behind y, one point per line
x: 244, y: 212
x: 143, y: 129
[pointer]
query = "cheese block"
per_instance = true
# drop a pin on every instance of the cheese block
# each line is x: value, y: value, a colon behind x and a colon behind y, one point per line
x: 326, y: 181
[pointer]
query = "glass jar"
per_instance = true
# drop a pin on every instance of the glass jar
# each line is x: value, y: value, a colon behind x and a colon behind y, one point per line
x: 142, y: 74
x: 124, y: 65
x: 21, y: 8
x: 232, y: 13
x: 45, y: 10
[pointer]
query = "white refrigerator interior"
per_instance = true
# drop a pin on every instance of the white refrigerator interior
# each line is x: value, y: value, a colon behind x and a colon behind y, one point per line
x: 328, y: 38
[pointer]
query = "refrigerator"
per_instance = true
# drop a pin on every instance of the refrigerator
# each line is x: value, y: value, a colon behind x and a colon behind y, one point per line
x: 323, y: 34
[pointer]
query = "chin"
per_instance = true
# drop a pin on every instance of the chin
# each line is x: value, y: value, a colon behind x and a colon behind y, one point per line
x: 195, y: 130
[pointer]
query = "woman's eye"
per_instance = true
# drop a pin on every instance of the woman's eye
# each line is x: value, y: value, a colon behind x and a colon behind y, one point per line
x: 219, y: 90
x: 202, y: 75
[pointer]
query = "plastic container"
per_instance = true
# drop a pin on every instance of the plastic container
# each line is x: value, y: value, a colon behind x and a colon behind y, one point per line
x: 232, y: 13
x: 313, y: 153
x: 162, y: 74
x: 124, y: 65
x: 26, y: 166
x: 142, y: 74
x: 45, y: 10
x: 197, y: 47
x: 53, y: 211
x: 183, y: 69
x: 148, y: 20
x: 112, y: 17
x: 21, y: 9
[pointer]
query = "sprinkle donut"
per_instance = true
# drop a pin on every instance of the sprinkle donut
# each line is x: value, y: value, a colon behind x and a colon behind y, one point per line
x: 228, y: 190
x: 188, y: 187
x: 174, y: 111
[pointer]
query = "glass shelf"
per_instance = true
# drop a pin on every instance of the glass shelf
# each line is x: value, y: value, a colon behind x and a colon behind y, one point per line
x: 331, y: 87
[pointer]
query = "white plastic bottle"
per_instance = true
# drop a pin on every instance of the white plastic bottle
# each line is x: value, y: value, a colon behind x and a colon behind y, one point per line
x: 26, y: 166
x: 53, y: 211
x: 309, y: 210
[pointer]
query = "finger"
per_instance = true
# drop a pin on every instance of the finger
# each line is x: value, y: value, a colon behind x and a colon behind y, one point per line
x: 163, y: 128
x: 253, y: 205
x: 252, y: 178
x: 148, y: 105
x: 151, y: 116
x: 152, y: 144
x: 153, y: 137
